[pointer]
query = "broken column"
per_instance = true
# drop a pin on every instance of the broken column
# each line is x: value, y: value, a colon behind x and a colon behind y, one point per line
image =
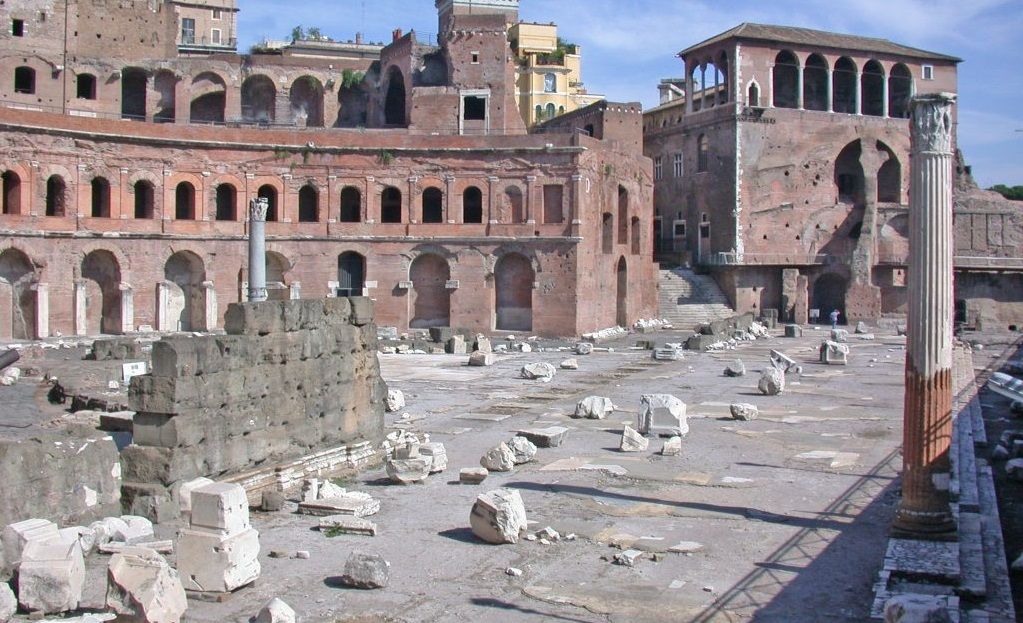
x: 51, y: 576
x: 257, y: 248
x: 927, y: 419
x: 219, y: 551
x: 142, y: 586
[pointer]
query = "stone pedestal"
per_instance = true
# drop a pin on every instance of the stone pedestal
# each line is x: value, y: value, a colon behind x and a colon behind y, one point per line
x: 927, y: 429
x: 219, y: 552
x: 127, y: 308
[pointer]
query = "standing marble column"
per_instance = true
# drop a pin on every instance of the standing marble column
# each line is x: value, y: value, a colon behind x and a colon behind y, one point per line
x: 257, y: 248
x: 927, y: 419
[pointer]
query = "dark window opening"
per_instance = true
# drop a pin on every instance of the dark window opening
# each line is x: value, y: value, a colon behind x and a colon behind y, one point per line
x: 18, y: 27
x: 394, y: 104
x: 227, y: 200
x: 553, y: 204
x: 187, y: 30
x: 843, y: 83
x: 184, y: 202
x: 607, y: 233
x: 786, y: 80
x: 472, y: 205
x: 753, y: 99
x: 872, y: 89
x: 703, y: 154
x: 390, y: 205
x: 143, y: 200
x: 269, y: 193
x: 351, y: 205
x: 475, y: 108
x: 56, y: 196
x: 11, y: 193
x: 900, y: 89
x: 856, y: 231
x: 815, y: 83
x: 308, y: 204
x: 134, y: 83
x: 623, y: 215
x: 100, y: 198
x: 86, y: 87
x: 433, y: 205
x: 24, y: 80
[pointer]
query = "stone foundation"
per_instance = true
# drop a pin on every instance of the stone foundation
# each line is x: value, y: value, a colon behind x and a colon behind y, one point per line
x: 292, y: 379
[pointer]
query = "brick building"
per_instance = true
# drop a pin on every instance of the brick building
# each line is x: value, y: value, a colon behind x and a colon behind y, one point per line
x: 129, y: 161
x: 781, y: 165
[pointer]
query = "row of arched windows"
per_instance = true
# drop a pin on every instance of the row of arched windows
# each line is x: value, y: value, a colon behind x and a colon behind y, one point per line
x: 842, y: 88
x: 226, y: 201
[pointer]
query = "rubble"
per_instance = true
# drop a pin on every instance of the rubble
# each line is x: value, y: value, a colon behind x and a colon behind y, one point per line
x: 272, y: 501
x: 352, y: 503
x: 550, y: 534
x: 141, y: 586
x: 185, y: 492
x: 51, y: 576
x: 456, y: 345
x: 10, y: 376
x: 917, y: 609
x: 834, y: 353
x: 605, y: 334
x: 366, y: 571
x: 483, y: 345
x: 219, y: 550
x: 8, y: 602
x: 275, y: 611
x: 735, y: 369
x: 481, y: 359
x: 499, y: 459
x: 782, y: 361
x: 395, y: 400
x: 18, y: 535
x: 772, y: 382
x: 85, y: 537
x: 632, y: 441
x: 672, y: 447
x: 670, y: 352
x: 793, y: 330
x: 512, y: 571
x: 839, y: 335
x: 498, y: 516
x: 594, y: 408
x: 583, y: 348
x: 861, y: 328
x: 570, y: 364
x: 347, y: 524
x: 437, y: 454
x: 538, y: 371
x: 409, y: 471
x: 744, y: 412
x: 472, y: 475
x: 628, y: 558
x: 545, y: 437
x: 662, y: 414
x: 1014, y: 469
x: 523, y: 450
x: 524, y: 348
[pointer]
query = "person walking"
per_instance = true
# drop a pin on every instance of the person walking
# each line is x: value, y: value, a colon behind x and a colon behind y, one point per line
x: 834, y: 318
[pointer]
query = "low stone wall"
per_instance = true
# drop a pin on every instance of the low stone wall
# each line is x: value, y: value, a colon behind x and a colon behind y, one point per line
x: 62, y: 478
x: 291, y: 379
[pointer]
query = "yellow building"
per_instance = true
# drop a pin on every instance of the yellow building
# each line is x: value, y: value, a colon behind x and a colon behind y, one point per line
x: 549, y: 75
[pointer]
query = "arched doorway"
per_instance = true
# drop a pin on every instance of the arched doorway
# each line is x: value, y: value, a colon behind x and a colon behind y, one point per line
x: 209, y: 98
x: 829, y: 295
x: 185, y: 306
x: 394, y: 103
x: 622, y: 295
x: 17, y: 300
x: 430, y: 299
x: 165, y: 84
x: 889, y: 177
x: 815, y: 83
x: 306, y: 98
x: 786, y: 80
x: 849, y: 180
x: 513, y: 286
x: 102, y: 276
x: 134, y: 84
x: 351, y: 274
x: 259, y: 99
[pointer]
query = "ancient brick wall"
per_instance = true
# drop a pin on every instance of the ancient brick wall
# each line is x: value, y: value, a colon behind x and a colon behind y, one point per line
x: 289, y: 379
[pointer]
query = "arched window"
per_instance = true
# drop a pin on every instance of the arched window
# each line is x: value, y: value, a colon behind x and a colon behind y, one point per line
x: 86, y: 86
x: 351, y: 205
x: 308, y: 204
x: 872, y: 88
x: 843, y: 81
x: 753, y: 96
x: 209, y: 99
x: 24, y: 80
x: 786, y: 80
x: 539, y: 113
x: 724, y: 94
x: 607, y: 231
x: 268, y: 192
x: 889, y: 177
x: 100, y: 198
x: 849, y: 175
x: 702, y: 154
x: 134, y: 84
x: 394, y: 103
x: 144, y: 194
x: 637, y: 234
x: 56, y: 196
x: 306, y: 97
x: 623, y: 215
x: 11, y: 193
x: 390, y: 205
x: 815, y: 83
x: 165, y: 82
x: 227, y: 203
x: 900, y: 90
x: 472, y: 205
x: 550, y: 83
x: 433, y: 205
x: 184, y: 202
x: 259, y: 99
x: 550, y: 111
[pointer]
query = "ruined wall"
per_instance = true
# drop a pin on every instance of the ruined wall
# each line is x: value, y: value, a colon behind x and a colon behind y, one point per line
x: 291, y: 378
x: 62, y: 478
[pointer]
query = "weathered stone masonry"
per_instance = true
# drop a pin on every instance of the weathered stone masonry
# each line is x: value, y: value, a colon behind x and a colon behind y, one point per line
x: 290, y: 379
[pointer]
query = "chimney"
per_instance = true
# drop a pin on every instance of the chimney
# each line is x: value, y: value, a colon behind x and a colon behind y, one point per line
x: 358, y: 38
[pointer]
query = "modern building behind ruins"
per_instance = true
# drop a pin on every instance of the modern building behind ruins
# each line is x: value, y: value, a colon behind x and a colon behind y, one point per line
x: 781, y: 165
x: 134, y: 137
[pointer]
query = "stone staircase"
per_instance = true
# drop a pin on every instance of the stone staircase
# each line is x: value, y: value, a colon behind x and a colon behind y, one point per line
x: 688, y: 300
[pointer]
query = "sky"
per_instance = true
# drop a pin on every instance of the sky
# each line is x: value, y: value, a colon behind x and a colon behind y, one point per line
x: 629, y: 45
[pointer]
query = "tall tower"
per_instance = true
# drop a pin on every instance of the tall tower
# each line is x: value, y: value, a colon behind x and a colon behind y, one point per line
x: 447, y: 9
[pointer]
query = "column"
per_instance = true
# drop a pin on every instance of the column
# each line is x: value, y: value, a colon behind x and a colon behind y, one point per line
x: 295, y: 290
x: 370, y: 191
x: 42, y: 327
x: 531, y: 206
x: 493, y: 213
x: 799, y: 87
x: 884, y: 96
x: 449, y: 183
x: 831, y: 90
x: 575, y: 217
x: 927, y: 419
x: 210, y: 305
x: 163, y: 320
x: 81, y: 319
x: 127, y: 308
x: 859, y: 92
x: 689, y: 88
x: 414, y: 216
x: 257, y: 248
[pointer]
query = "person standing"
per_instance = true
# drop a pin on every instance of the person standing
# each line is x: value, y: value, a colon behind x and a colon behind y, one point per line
x: 834, y: 318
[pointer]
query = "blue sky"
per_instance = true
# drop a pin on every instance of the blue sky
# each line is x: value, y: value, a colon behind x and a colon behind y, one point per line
x: 629, y: 45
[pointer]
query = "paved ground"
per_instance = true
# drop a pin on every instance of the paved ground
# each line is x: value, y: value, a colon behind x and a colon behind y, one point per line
x: 791, y: 509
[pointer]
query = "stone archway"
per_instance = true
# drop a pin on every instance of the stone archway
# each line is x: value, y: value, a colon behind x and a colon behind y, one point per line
x: 430, y: 299
x: 828, y: 294
x: 513, y: 293
x: 351, y: 274
x: 101, y: 277
x: 17, y: 300
x: 185, y: 305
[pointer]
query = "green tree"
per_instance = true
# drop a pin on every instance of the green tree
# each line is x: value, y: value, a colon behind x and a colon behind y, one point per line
x: 297, y: 33
x: 1014, y: 193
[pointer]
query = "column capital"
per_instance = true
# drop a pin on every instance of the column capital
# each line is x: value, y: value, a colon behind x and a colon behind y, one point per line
x: 258, y: 208
x: 932, y: 122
